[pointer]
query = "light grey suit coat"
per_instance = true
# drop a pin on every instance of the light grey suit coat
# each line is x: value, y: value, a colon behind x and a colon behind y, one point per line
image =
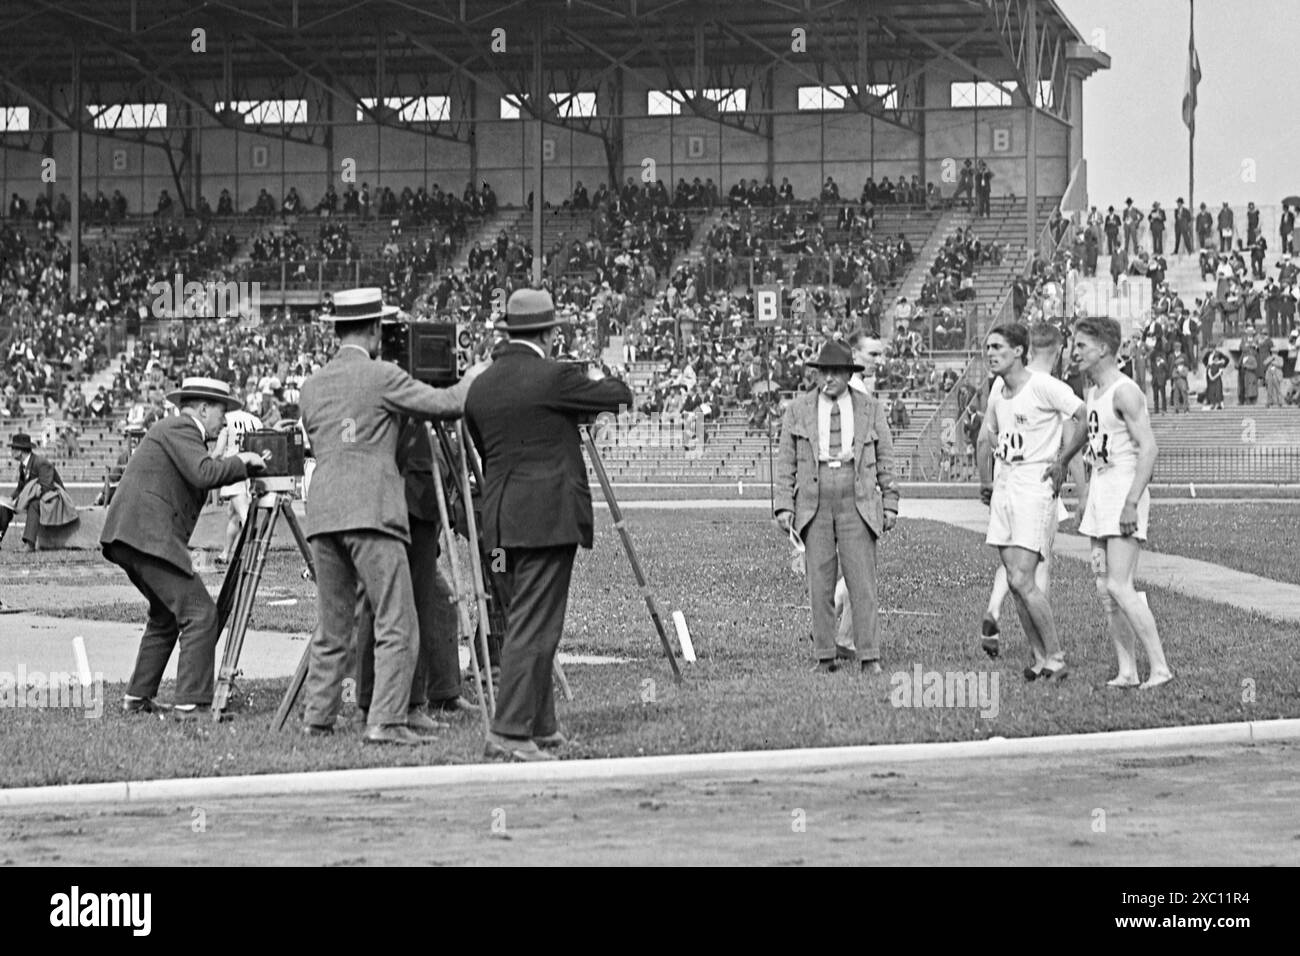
x: 350, y: 410
x: 874, y: 486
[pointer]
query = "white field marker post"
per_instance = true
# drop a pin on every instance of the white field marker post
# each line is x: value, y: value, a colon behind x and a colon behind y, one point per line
x: 684, y: 636
x: 83, y: 662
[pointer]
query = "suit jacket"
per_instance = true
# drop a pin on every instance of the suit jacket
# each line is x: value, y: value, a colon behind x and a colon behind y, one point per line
x: 163, y: 489
x: 873, y: 457
x: 351, y: 410
x: 36, y: 479
x: 523, y: 415
x: 415, y: 462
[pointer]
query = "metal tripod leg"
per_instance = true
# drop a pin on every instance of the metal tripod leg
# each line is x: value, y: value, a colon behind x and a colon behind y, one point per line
x: 617, y: 514
x: 486, y: 703
x: 294, y: 690
x: 475, y: 559
x: 245, y: 594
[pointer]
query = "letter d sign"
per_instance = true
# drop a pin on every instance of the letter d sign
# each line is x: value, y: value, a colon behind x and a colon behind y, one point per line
x: 767, y: 306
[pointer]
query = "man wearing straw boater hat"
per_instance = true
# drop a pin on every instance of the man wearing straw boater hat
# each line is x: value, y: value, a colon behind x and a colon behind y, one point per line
x: 357, y: 519
x: 147, y: 533
x: 835, y: 489
x: 36, y: 476
x: 523, y: 414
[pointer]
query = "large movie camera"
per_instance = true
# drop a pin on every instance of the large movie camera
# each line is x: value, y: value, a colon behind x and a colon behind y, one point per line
x: 282, y: 454
x: 436, y: 353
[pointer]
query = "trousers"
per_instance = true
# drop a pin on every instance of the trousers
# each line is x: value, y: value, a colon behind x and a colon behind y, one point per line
x: 838, y: 538
x: 376, y: 563
x: 180, y: 609
x: 437, y: 664
x: 535, y: 590
x: 32, y: 526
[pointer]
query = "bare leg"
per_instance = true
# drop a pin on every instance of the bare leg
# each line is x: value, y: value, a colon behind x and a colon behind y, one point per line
x: 1121, y: 634
x: 1121, y: 559
x: 1032, y: 605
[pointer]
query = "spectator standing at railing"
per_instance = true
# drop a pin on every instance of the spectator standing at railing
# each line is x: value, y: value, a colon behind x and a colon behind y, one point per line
x: 1273, y: 382
x: 1183, y: 229
x: 1226, y: 228
x: 1159, y: 381
x: 1204, y: 228
x: 1112, y: 225
x: 1132, y: 218
x: 983, y: 189
x: 1156, y: 222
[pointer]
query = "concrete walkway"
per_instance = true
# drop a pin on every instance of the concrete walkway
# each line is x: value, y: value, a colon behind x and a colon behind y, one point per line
x: 1198, y: 579
x: 36, y: 643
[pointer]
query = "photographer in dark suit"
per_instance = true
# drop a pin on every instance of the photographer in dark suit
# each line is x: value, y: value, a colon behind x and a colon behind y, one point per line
x: 36, y: 476
x: 147, y: 534
x: 523, y: 414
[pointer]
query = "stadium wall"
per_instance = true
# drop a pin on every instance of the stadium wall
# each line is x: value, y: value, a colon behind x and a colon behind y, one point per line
x: 806, y: 147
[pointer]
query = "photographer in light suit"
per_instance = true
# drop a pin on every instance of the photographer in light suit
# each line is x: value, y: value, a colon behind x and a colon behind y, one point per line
x: 357, y: 519
x: 835, y: 488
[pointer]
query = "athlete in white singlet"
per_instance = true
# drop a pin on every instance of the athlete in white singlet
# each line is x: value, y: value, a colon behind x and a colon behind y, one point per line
x: 1033, y: 448
x: 1122, y: 451
x: 237, y: 496
x: 1045, y: 350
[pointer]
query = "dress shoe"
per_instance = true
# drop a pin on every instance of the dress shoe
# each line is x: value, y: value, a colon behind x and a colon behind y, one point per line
x: 398, y: 734
x: 422, y: 723
x: 827, y: 667
x: 30, y: 547
x: 191, y: 713
x: 871, y: 667
x: 142, y: 705
x: 451, y: 707
x: 845, y: 653
x: 318, y: 730
x: 551, y: 741
x: 512, y: 748
x: 1058, y: 673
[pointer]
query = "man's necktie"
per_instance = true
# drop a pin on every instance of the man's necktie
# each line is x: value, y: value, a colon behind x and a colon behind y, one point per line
x: 836, y: 440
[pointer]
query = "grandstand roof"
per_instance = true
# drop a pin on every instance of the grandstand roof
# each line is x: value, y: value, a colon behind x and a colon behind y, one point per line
x: 150, y: 40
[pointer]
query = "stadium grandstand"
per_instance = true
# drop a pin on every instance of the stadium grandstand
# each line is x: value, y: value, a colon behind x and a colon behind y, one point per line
x: 708, y: 190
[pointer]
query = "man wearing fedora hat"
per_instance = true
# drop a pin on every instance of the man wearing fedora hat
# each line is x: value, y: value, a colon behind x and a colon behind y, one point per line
x: 36, y: 476
x: 357, y: 516
x: 147, y: 533
x: 835, y: 488
x: 523, y: 414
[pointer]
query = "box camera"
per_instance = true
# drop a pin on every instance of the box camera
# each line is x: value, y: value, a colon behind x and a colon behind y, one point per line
x: 436, y: 353
x: 282, y: 451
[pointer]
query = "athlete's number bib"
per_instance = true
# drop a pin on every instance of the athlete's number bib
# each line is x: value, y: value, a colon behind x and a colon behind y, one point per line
x: 1098, y: 442
x: 1011, y: 447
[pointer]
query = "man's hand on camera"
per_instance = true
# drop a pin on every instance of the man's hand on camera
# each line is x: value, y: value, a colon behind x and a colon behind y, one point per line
x: 477, y: 369
x: 253, y: 460
x: 785, y: 519
x: 594, y: 373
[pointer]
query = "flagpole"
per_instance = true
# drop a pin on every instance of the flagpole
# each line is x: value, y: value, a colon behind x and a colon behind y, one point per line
x: 1191, y: 128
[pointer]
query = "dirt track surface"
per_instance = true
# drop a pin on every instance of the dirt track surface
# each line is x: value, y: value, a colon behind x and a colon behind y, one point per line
x: 1166, y: 807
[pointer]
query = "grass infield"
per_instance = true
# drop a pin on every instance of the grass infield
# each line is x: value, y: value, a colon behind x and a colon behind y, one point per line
x: 1259, y: 536
x: 753, y: 687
